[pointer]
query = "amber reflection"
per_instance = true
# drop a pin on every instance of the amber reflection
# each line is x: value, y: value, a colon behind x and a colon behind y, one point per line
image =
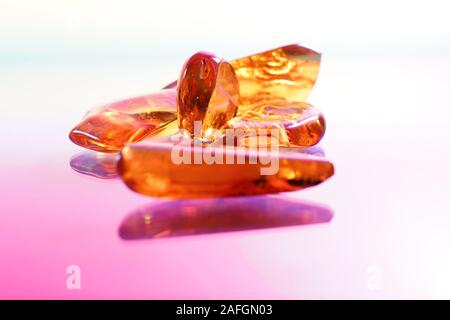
x: 200, y: 216
x: 95, y: 164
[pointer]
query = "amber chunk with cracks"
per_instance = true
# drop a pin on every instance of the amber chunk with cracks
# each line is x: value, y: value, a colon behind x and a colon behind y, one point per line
x: 149, y: 168
x: 109, y: 128
x: 208, y: 92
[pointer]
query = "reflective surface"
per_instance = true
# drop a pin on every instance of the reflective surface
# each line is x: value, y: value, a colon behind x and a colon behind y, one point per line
x: 96, y: 164
x: 192, y: 217
x: 388, y: 237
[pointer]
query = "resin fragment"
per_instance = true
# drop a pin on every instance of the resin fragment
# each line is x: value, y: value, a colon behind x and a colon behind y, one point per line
x: 109, y: 128
x: 149, y: 168
x: 199, y: 216
x: 208, y: 92
x: 287, y: 73
x: 298, y: 124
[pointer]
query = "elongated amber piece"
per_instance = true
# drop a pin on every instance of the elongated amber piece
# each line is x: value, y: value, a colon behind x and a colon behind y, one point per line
x: 154, y: 169
x: 208, y: 92
x: 286, y: 73
x: 297, y: 124
x: 110, y: 127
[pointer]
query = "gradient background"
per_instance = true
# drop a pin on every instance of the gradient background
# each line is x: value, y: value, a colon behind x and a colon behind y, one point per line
x: 384, y: 88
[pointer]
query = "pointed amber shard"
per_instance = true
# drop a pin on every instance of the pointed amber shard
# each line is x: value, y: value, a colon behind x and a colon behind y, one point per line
x: 109, y: 128
x: 164, y: 170
x: 286, y: 73
x: 208, y: 91
x: 299, y: 124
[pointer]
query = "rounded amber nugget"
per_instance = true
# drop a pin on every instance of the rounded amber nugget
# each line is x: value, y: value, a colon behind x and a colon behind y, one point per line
x: 208, y: 92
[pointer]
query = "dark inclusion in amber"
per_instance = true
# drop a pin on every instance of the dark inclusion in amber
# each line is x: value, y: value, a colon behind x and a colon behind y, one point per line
x: 149, y: 168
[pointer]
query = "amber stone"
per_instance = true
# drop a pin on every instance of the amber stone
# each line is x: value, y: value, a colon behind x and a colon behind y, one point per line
x: 286, y: 73
x: 109, y: 128
x: 208, y: 92
x: 148, y: 168
x: 297, y: 124
x: 161, y: 219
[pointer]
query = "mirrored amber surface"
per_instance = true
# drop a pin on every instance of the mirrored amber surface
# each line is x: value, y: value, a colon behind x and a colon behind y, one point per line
x: 96, y: 164
x: 161, y: 219
x: 148, y: 168
x: 208, y: 92
x: 297, y: 124
x: 110, y: 127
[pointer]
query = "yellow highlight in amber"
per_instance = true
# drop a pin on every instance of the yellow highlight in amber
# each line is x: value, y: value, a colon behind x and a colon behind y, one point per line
x: 287, y: 73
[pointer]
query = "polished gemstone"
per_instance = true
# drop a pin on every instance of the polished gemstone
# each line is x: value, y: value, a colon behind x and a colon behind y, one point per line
x: 150, y: 168
x: 287, y: 73
x: 109, y: 128
x: 174, y: 218
x: 297, y: 124
x: 208, y: 92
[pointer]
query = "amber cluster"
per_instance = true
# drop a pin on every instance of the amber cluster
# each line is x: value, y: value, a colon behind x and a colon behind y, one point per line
x: 261, y: 94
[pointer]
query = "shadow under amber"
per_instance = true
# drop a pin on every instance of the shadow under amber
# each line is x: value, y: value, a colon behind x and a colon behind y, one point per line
x: 95, y: 164
x: 174, y: 218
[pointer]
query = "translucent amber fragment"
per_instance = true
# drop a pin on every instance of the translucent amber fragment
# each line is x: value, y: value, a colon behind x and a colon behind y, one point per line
x: 109, y: 128
x: 286, y: 73
x: 298, y: 124
x: 150, y: 169
x: 174, y: 218
x: 208, y: 91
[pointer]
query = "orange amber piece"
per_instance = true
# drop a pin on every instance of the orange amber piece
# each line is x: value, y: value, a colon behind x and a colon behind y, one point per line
x: 298, y: 124
x: 149, y: 168
x: 208, y: 91
x: 110, y: 127
x: 286, y: 73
